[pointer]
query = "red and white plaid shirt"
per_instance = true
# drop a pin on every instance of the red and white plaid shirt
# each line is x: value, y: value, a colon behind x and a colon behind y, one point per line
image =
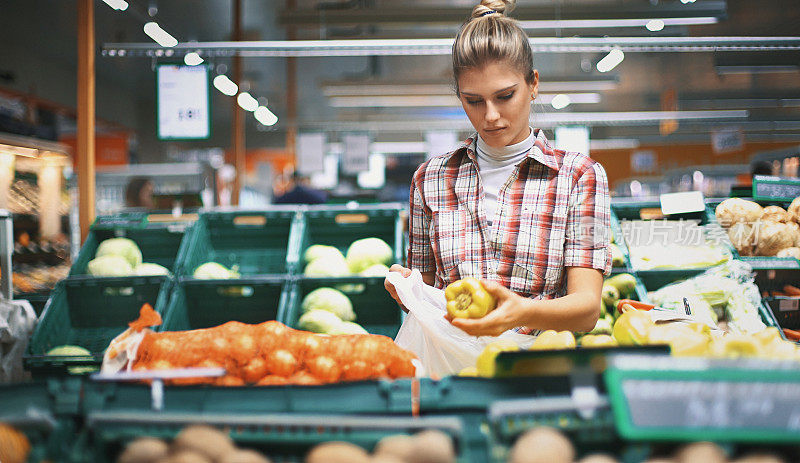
x: 553, y: 212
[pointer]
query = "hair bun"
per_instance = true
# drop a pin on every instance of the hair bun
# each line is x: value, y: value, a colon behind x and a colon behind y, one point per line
x: 487, y: 7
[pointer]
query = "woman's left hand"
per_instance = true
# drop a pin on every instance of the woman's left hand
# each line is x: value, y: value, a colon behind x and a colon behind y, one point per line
x: 509, y: 313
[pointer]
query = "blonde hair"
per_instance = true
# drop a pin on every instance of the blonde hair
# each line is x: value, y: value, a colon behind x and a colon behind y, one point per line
x: 488, y: 36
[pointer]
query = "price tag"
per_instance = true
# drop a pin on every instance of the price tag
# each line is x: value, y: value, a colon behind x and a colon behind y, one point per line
x: 789, y: 305
x: 682, y: 203
x: 310, y: 153
x: 775, y: 188
x: 183, y: 102
x: 355, y: 158
x: 732, y: 401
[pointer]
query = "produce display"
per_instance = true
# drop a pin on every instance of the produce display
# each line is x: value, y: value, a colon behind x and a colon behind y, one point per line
x: 121, y: 257
x: 328, y: 311
x: 215, y: 271
x: 673, y: 244
x: 365, y: 257
x: 269, y: 353
x: 33, y: 279
x: 761, y: 231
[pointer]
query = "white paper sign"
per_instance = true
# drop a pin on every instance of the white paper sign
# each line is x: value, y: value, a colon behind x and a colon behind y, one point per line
x: 183, y: 102
x: 727, y: 141
x: 355, y: 158
x: 310, y: 153
x: 682, y: 202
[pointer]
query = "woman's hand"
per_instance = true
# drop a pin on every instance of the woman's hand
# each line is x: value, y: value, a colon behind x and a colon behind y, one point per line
x: 511, y: 310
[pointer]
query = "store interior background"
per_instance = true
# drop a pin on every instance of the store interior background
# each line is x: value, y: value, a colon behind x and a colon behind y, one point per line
x: 38, y: 81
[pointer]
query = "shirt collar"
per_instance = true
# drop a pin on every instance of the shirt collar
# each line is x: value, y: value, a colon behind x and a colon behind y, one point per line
x: 541, y: 152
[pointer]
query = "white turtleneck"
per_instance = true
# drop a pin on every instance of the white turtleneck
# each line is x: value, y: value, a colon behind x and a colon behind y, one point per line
x: 496, y: 165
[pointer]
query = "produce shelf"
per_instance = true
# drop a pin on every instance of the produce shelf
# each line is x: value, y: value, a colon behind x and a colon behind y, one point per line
x: 90, y: 313
x: 619, y: 241
x: 198, y: 304
x: 158, y: 236
x: 256, y: 242
x: 375, y: 309
x: 340, y: 226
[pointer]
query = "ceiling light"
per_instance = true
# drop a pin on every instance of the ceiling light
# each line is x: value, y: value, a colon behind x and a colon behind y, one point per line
x: 655, y: 25
x: 225, y: 85
x: 612, y: 23
x: 247, y: 102
x: 560, y: 101
x: 192, y: 59
x: 162, y: 37
x: 611, y: 60
x: 265, y: 116
x: 120, y: 5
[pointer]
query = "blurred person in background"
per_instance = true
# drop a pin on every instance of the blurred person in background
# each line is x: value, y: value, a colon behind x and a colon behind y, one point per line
x: 139, y: 193
x: 532, y: 222
x: 298, y: 191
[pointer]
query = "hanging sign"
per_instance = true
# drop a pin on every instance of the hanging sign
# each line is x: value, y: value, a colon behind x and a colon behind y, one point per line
x: 183, y: 102
x: 355, y: 158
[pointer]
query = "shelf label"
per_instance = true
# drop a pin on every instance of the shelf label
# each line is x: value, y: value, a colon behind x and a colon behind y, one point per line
x: 775, y: 188
x: 789, y: 305
x: 682, y: 203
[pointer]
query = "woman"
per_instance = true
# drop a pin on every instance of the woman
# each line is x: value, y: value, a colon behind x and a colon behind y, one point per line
x: 530, y: 221
x: 139, y: 193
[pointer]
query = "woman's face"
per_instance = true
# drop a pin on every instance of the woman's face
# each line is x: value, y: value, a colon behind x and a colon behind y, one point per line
x: 497, y: 100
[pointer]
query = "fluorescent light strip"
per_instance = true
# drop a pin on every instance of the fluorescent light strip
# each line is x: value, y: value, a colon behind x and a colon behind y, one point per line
x: 162, y: 37
x: 400, y: 101
x: 444, y: 89
x: 192, y: 59
x: 265, y: 116
x: 225, y: 85
x: 247, y: 102
x: 611, y: 60
x: 119, y: 5
x: 612, y: 23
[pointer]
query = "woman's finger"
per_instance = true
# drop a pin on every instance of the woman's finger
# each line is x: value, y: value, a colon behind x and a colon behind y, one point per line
x: 497, y: 290
x: 406, y: 272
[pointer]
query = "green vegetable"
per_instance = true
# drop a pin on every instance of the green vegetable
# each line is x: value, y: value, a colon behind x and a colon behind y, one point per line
x: 319, y: 321
x: 610, y: 295
x: 73, y: 351
x: 348, y: 328
x: 330, y: 300
x: 215, y: 271
x: 327, y: 267
x: 624, y: 282
x: 318, y: 251
x: 150, y: 269
x: 110, y: 266
x: 603, y: 326
x: 377, y: 270
x: 366, y: 252
x: 120, y: 247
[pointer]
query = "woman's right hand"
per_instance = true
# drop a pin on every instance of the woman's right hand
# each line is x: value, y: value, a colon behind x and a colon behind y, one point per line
x: 405, y: 272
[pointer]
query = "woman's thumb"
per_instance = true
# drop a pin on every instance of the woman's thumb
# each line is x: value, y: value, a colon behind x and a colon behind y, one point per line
x: 494, y: 288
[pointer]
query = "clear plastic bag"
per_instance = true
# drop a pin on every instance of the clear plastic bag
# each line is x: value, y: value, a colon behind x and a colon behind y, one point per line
x: 442, y: 348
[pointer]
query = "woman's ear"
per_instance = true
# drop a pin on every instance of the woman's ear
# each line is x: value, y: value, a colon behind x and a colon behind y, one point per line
x: 534, y: 85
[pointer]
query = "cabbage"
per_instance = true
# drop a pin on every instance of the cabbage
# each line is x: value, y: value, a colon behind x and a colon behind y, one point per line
x: 146, y: 269
x: 110, y: 266
x: 330, y: 300
x: 318, y: 321
x: 318, y: 251
x: 214, y: 271
x: 69, y: 351
x: 366, y: 252
x: 348, y: 328
x: 121, y: 247
x: 377, y: 270
x: 327, y: 267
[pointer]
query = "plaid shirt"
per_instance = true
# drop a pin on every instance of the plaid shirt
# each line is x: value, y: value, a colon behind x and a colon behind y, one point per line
x: 553, y: 212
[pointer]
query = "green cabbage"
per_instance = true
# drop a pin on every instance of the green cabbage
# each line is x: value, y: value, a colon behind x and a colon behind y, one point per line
x: 327, y: 267
x: 110, y: 266
x: 214, y: 271
x: 120, y: 247
x: 366, y: 252
x: 73, y: 351
x: 377, y: 270
x: 146, y: 269
x: 348, y: 328
x: 318, y: 321
x: 318, y: 251
x: 331, y: 300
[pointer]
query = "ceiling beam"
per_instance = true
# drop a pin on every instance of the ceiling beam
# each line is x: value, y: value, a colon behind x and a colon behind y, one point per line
x: 316, y: 17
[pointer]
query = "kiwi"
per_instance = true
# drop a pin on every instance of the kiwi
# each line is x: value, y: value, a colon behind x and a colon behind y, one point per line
x: 542, y: 445
x: 187, y: 456
x: 598, y: 458
x: 337, y: 452
x: 433, y: 446
x: 243, y: 456
x: 205, y: 440
x: 701, y: 452
x: 398, y: 445
x: 144, y: 450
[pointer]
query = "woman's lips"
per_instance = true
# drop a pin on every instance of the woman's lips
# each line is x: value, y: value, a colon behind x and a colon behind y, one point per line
x: 494, y: 131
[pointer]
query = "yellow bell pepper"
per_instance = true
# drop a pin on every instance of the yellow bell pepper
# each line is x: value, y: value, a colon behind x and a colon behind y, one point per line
x: 632, y: 328
x: 683, y: 340
x: 467, y: 298
x: 598, y: 340
x: 735, y: 346
x: 485, y: 362
x: 469, y: 371
x: 552, y: 340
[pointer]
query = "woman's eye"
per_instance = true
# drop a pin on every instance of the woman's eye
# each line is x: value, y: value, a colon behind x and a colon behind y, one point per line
x: 473, y: 102
x: 506, y: 96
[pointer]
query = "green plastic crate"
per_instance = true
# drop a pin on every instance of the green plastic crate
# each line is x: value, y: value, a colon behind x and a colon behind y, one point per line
x: 786, y: 311
x: 90, y: 313
x: 254, y: 241
x: 339, y: 227
x: 375, y: 309
x: 158, y: 237
x: 207, y: 303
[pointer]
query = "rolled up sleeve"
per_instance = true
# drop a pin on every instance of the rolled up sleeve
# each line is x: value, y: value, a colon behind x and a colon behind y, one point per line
x: 588, y: 233
x: 420, y: 253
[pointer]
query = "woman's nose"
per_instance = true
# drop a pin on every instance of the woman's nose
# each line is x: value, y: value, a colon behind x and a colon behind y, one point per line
x: 491, y: 113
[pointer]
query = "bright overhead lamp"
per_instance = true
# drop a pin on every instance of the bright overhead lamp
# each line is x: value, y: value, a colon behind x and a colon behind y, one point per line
x: 655, y: 25
x: 192, y: 59
x: 247, y: 102
x: 119, y: 5
x: 687, y: 1
x: 560, y: 101
x: 162, y: 37
x: 225, y: 85
x: 611, y: 60
x: 265, y: 116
